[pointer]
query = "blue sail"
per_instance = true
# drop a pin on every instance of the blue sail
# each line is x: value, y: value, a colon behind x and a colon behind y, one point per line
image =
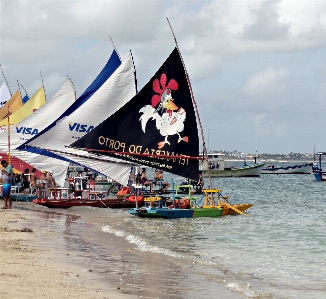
x: 113, y: 63
x: 25, y: 99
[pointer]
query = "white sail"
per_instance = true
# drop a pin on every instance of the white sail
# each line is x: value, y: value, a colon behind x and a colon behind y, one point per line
x: 113, y: 168
x: 4, y: 94
x: 109, y: 98
x: 57, y: 167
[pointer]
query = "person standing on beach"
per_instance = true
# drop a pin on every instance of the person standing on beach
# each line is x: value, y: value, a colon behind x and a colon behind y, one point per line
x: 33, y: 180
x: 26, y: 180
x: 43, y: 179
x: 7, y: 181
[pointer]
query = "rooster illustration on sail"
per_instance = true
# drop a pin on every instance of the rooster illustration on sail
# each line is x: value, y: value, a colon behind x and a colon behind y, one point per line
x: 168, y: 116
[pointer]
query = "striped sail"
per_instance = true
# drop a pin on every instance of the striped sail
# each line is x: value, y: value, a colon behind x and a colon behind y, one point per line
x: 109, y: 98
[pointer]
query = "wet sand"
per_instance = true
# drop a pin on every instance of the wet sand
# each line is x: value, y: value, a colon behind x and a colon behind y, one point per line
x: 30, y: 270
x: 100, y: 253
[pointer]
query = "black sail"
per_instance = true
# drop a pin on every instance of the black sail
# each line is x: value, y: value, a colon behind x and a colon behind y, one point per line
x: 156, y: 128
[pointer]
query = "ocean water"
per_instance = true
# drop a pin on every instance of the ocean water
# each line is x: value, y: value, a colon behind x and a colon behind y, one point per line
x: 277, y: 251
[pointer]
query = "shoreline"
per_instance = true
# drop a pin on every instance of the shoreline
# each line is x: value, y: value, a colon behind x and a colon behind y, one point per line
x: 31, y: 270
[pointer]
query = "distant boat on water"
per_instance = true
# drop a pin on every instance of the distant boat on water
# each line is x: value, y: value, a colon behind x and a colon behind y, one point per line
x: 317, y: 170
x: 305, y: 168
x: 216, y: 167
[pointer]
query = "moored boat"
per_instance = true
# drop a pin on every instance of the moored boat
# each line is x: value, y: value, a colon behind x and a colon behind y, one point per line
x: 215, y: 167
x: 113, y: 203
x: 23, y: 197
x: 215, y: 205
x: 317, y: 169
x: 164, y: 136
x: 89, y: 194
x: 305, y: 168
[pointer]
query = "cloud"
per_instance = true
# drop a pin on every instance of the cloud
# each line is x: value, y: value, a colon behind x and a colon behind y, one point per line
x: 267, y: 83
x: 253, y: 64
x: 266, y: 25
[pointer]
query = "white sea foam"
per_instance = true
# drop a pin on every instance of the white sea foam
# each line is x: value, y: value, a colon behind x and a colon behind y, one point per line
x: 241, y: 288
x: 143, y: 246
x: 110, y: 230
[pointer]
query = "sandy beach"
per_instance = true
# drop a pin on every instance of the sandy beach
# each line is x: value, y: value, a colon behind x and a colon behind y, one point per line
x: 30, y: 271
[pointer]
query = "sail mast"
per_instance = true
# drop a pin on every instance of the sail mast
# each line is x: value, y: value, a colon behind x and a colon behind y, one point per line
x: 133, y: 62
x: 72, y: 83
x: 8, y: 135
x: 43, y: 84
x: 22, y: 87
x: 195, y: 104
x: 3, y: 74
x: 115, y: 47
x: 19, y: 89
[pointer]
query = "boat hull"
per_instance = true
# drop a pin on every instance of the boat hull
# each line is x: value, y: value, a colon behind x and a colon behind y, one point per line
x: 113, y: 203
x: 211, y: 212
x: 208, y: 212
x: 246, y: 171
x: 295, y: 169
x: 162, y: 213
x: 23, y: 197
x: 319, y: 175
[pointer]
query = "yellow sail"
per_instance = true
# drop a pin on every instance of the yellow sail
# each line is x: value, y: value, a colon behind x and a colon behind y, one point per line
x: 34, y: 103
x: 15, y: 103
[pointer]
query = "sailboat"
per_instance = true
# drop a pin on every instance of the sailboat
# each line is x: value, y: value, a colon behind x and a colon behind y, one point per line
x: 117, y: 89
x: 157, y: 128
x: 43, y: 158
x: 35, y: 102
x: 34, y: 123
x: 317, y: 170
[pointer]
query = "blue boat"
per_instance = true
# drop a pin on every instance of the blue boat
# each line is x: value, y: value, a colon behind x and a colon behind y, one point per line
x: 23, y: 197
x: 163, y: 207
x: 317, y: 170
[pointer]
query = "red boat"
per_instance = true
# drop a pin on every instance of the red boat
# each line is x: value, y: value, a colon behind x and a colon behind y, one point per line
x: 113, y: 203
x: 64, y: 198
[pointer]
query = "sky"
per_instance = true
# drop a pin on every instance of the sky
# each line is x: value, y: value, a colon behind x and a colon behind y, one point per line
x: 257, y: 68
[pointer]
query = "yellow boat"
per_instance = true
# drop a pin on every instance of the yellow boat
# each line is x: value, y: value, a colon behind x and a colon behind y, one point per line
x: 213, y: 200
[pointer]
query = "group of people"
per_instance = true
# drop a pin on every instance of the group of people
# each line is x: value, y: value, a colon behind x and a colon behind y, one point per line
x: 212, y: 165
x: 158, y: 180
x: 27, y: 181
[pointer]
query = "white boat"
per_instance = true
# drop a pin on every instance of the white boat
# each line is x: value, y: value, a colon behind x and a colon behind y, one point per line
x: 305, y: 168
x: 216, y: 166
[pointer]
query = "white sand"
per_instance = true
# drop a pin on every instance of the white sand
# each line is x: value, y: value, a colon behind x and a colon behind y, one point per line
x: 24, y: 275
